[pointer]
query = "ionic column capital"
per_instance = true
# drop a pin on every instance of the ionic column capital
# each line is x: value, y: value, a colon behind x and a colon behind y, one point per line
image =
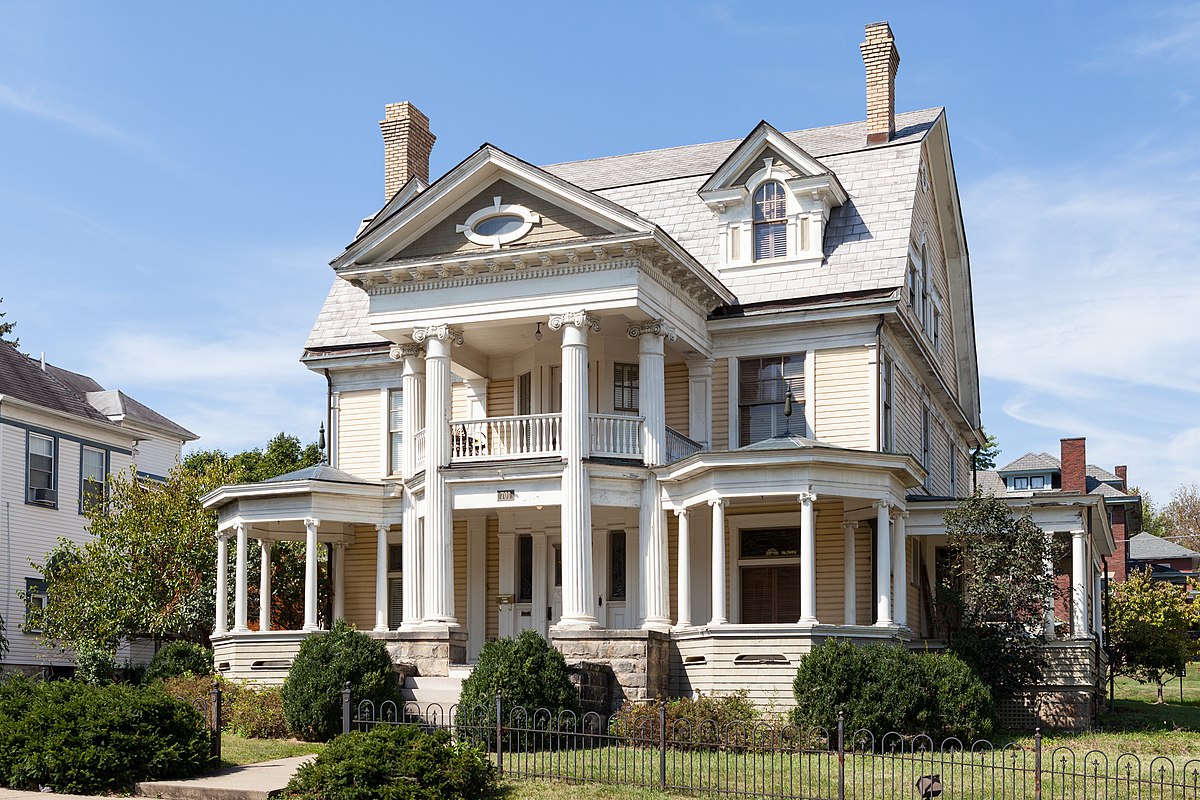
x: 382, y: 527
x: 1078, y: 534
x: 882, y: 505
x: 652, y: 327
x: 312, y: 522
x: 681, y: 512
x: 806, y: 498
x: 718, y: 501
x: 440, y: 332
x: 899, y: 513
x: 398, y: 352
x: 850, y: 526
x: 577, y: 319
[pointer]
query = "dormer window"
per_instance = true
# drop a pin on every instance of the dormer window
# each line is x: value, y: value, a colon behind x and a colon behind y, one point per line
x: 770, y: 225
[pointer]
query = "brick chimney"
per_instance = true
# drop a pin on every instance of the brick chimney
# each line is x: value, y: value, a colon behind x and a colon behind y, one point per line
x: 407, y: 143
x: 881, y: 59
x: 1074, y: 465
x: 1122, y: 472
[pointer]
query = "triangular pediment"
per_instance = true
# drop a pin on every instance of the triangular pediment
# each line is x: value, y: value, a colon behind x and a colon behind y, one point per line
x: 526, y: 205
x: 767, y: 151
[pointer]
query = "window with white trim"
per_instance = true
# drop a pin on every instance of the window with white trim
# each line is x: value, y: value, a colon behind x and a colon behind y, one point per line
x: 625, y: 387
x: 926, y: 460
x: 395, y: 585
x: 41, y: 479
x: 36, y: 599
x: 395, y: 430
x: 887, y: 441
x: 763, y: 383
x: 953, y: 469
x: 770, y: 223
x: 93, y: 477
x: 769, y: 566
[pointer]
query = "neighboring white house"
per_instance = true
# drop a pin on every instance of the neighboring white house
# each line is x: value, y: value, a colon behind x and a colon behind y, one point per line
x: 671, y: 409
x: 61, y: 436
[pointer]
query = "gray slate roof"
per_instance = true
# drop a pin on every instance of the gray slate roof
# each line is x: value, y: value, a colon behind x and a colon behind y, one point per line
x: 1099, y: 480
x: 866, y: 240
x: 1032, y: 461
x: 319, y: 472
x: 1148, y: 547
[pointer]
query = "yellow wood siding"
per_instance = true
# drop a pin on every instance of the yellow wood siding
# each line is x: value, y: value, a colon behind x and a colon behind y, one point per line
x: 678, y: 416
x: 360, y: 433
x: 360, y: 579
x: 925, y: 218
x: 492, y: 629
x: 843, y: 397
x: 460, y: 405
x: 830, y: 558
x: 720, y: 404
x: 500, y: 398
x: 460, y: 571
x: 673, y: 565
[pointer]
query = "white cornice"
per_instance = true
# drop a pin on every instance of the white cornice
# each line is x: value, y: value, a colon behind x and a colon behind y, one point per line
x: 244, y: 491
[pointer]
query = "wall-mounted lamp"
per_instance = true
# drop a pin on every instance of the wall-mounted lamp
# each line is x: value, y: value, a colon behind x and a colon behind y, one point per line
x: 537, y: 334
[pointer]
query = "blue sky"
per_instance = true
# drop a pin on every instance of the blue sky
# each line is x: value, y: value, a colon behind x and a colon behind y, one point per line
x: 174, y: 177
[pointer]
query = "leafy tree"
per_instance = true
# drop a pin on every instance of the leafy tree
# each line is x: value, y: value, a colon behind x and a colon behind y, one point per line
x: 1148, y: 629
x: 1152, y: 518
x: 993, y: 597
x: 1179, y: 519
x: 283, y: 454
x: 6, y: 328
x: 985, y: 457
x: 3, y: 641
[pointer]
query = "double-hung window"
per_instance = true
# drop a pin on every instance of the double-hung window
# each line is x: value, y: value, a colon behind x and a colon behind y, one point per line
x: 625, y: 387
x: 770, y: 221
x: 395, y: 430
x: 926, y: 459
x: 93, y: 478
x: 888, y: 439
x: 41, y: 480
x: 763, y: 384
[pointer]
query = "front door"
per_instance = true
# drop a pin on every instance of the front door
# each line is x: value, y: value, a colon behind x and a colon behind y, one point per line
x: 554, y: 612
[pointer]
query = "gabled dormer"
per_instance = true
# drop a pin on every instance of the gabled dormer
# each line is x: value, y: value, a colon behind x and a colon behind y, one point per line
x: 772, y: 201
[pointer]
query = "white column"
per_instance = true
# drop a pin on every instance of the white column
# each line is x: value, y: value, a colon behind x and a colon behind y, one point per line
x: 541, y: 568
x: 410, y: 563
x: 222, y: 622
x: 438, y: 569
x: 808, y: 559
x: 310, y: 574
x: 1049, y: 566
x: 412, y: 412
x: 883, y: 564
x: 381, y: 565
x: 718, y: 562
x: 239, y: 582
x: 576, y: 508
x: 849, y: 573
x: 900, y: 568
x: 683, y: 582
x: 264, y: 585
x: 1079, y: 569
x: 339, y: 581
x: 700, y: 375
x: 508, y: 569
x: 652, y: 521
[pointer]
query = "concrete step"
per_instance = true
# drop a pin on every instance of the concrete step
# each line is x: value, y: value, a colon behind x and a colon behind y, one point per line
x: 441, y: 690
x: 250, y: 782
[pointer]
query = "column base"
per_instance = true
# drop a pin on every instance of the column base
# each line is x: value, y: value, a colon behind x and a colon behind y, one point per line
x: 662, y: 624
x: 810, y: 621
x: 441, y: 623
x: 311, y: 628
x: 718, y: 621
x: 380, y: 629
x: 885, y: 623
x: 683, y: 624
x: 581, y: 623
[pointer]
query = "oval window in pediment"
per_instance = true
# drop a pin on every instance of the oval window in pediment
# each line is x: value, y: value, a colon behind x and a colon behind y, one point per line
x: 499, y: 225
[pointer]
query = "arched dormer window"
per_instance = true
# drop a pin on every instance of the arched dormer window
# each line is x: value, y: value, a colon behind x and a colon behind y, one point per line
x: 770, y: 225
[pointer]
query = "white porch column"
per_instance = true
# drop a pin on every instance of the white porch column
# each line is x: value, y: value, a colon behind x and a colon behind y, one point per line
x: 410, y: 564
x: 576, y: 508
x: 1079, y: 567
x: 900, y: 568
x: 222, y: 623
x: 700, y: 374
x: 1049, y: 566
x: 438, y: 569
x: 508, y: 569
x: 883, y: 566
x: 541, y: 568
x: 412, y: 412
x: 683, y: 582
x: 264, y: 585
x: 310, y: 574
x: 718, y: 562
x: 808, y: 559
x: 652, y: 521
x: 239, y: 582
x: 849, y: 574
x: 339, y: 581
x: 381, y: 565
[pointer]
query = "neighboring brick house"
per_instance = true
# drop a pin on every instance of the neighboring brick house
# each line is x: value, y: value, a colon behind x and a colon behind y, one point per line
x: 1167, y: 560
x: 61, y: 436
x: 685, y: 412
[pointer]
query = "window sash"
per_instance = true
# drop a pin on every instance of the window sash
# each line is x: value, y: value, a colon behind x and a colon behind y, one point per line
x: 770, y: 240
x: 625, y: 387
x: 763, y: 383
x: 617, y: 568
x: 525, y: 569
x: 94, y: 483
x: 41, y: 462
x: 395, y: 430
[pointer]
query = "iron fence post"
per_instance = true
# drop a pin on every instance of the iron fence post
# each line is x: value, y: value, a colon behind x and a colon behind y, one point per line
x: 1037, y: 763
x: 215, y: 718
x: 499, y: 735
x: 662, y: 745
x: 346, y: 707
x: 841, y: 746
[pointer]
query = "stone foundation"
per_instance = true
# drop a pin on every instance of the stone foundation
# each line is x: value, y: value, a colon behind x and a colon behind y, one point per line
x: 425, y: 651
x: 640, y: 661
x: 594, y: 682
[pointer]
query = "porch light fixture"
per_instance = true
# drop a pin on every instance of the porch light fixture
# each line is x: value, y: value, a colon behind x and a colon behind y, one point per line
x: 537, y: 334
x: 321, y: 443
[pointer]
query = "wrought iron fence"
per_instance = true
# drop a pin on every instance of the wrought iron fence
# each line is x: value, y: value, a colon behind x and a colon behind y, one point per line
x: 781, y: 761
x: 209, y: 707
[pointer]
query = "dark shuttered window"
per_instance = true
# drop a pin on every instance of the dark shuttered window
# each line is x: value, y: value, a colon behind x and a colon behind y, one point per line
x: 762, y: 385
x: 770, y: 223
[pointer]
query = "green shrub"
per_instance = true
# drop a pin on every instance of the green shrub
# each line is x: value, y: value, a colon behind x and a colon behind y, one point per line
x: 180, y: 658
x: 395, y: 763
x: 528, y: 673
x: 312, y: 693
x: 882, y: 688
x: 94, y: 664
x: 712, y: 718
x: 83, y: 739
x: 258, y: 713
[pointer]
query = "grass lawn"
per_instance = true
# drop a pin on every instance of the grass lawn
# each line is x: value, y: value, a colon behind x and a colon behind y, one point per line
x: 546, y: 789
x: 236, y: 750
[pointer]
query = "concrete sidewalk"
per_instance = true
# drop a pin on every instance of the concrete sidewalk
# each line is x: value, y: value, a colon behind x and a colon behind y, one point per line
x: 249, y: 782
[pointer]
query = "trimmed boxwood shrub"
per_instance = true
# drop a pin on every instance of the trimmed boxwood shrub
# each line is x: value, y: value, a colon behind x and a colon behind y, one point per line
x: 312, y: 693
x: 180, y: 658
x: 882, y: 688
x: 717, y: 718
x: 83, y: 739
x: 395, y: 763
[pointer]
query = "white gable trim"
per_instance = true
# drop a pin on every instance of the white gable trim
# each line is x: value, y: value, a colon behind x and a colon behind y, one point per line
x: 762, y: 137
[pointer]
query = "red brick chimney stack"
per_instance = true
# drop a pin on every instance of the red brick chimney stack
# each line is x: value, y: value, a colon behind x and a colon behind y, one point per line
x: 407, y: 143
x: 1121, y: 472
x: 881, y: 59
x: 1074, y: 465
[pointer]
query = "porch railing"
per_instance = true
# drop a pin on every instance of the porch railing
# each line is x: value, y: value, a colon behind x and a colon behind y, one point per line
x: 680, y: 446
x: 526, y: 436
x: 615, y: 436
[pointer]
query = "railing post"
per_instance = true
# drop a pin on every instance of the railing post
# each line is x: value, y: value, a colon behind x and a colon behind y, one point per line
x: 215, y: 718
x: 662, y: 745
x: 841, y: 746
x: 346, y: 711
x: 499, y: 735
x: 1037, y: 763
